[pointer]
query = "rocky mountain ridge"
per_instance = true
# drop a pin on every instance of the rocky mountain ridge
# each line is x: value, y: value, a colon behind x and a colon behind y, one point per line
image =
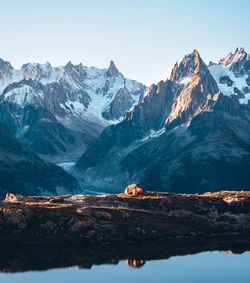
x: 187, y: 134
x: 58, y: 111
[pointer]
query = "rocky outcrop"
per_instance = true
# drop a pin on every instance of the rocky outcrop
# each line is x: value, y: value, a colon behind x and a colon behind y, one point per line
x: 121, y: 219
x: 112, y: 69
x: 199, y: 90
x: 119, y: 106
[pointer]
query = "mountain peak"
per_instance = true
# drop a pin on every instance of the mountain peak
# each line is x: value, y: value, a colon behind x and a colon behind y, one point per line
x: 196, y: 53
x: 112, y: 69
x: 5, y: 65
x: 238, y: 55
x: 239, y: 50
x: 47, y: 63
x: 1, y: 61
x: 190, y: 64
x: 69, y: 64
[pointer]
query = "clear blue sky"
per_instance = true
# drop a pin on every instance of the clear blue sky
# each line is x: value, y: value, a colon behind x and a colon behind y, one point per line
x: 144, y: 37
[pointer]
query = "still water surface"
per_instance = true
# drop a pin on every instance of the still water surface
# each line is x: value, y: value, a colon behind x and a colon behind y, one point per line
x: 205, y: 267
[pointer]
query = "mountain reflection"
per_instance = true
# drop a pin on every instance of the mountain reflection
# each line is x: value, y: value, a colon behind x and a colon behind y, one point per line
x: 27, y: 258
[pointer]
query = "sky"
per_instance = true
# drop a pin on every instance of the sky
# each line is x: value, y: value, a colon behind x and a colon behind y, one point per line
x: 143, y: 37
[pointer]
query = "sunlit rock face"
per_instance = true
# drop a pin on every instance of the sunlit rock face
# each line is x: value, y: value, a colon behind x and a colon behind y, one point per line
x: 199, y: 89
x: 57, y: 112
x: 238, y: 62
x: 186, y: 135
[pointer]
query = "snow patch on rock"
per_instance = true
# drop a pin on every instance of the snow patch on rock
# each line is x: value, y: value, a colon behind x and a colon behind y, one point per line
x: 219, y: 71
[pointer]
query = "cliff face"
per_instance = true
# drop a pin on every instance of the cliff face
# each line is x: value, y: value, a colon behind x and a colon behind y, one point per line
x: 110, y: 219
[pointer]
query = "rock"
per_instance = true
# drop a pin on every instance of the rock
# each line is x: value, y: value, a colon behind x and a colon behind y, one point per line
x: 226, y: 80
x: 248, y: 80
x: 102, y: 215
x: 79, y: 225
x: 151, y: 216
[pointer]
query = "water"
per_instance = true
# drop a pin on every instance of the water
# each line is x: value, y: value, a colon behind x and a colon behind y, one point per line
x: 204, y: 267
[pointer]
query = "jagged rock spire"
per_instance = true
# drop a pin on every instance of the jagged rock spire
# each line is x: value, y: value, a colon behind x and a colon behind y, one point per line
x: 238, y: 55
x: 112, y: 70
x: 5, y: 65
x: 190, y: 64
x: 68, y: 66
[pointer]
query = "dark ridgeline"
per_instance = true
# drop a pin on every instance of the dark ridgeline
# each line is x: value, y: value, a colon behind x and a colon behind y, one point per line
x: 23, y: 172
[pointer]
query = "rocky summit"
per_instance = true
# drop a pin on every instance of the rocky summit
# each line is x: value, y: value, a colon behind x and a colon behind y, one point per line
x: 122, y: 219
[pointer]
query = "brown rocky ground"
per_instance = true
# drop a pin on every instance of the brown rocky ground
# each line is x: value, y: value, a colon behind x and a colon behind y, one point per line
x: 38, y: 233
x: 109, y: 219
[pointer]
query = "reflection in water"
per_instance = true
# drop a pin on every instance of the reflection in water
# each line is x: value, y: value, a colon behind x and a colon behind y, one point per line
x: 89, y: 265
x: 236, y: 251
x: 205, y: 267
x: 136, y: 263
x: 26, y: 258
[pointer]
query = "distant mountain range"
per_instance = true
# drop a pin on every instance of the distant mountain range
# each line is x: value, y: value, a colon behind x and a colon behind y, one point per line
x: 57, y: 112
x: 190, y: 133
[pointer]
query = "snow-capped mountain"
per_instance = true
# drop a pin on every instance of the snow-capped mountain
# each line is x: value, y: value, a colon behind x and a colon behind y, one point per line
x: 58, y: 111
x: 188, y: 134
x: 232, y: 74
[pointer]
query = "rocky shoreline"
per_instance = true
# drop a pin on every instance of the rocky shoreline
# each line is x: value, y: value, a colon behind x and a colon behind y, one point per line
x: 122, y: 219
